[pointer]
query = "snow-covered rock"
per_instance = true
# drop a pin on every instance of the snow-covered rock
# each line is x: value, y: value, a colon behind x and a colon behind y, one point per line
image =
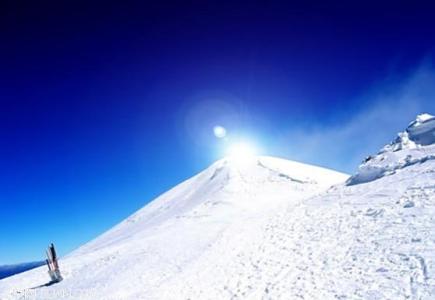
x: 415, y: 145
x: 422, y: 130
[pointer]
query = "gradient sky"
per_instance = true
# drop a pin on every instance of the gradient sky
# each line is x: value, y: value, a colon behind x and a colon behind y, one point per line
x: 104, y: 106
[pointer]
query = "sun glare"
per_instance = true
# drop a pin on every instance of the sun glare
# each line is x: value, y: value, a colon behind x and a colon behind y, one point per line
x: 241, y: 153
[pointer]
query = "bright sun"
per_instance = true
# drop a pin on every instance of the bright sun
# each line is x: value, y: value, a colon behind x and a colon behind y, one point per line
x: 241, y: 152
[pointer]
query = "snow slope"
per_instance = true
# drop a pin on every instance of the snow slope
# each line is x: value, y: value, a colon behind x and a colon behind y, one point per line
x: 138, y: 258
x: 271, y: 229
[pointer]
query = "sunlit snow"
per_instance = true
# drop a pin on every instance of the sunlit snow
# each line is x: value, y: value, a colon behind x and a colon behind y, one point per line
x: 272, y: 229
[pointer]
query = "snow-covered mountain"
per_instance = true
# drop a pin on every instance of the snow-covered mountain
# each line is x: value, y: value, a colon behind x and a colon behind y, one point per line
x: 269, y: 229
x: 223, y: 207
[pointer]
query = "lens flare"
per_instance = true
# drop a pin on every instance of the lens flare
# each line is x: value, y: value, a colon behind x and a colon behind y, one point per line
x: 219, y: 131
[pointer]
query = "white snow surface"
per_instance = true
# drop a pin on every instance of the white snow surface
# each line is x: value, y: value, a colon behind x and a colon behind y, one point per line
x: 269, y: 229
x: 222, y: 209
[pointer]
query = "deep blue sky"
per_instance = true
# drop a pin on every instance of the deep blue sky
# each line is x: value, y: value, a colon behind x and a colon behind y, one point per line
x: 104, y: 106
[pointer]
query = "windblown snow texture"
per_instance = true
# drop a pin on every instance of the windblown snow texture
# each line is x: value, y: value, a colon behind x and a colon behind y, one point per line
x: 271, y: 229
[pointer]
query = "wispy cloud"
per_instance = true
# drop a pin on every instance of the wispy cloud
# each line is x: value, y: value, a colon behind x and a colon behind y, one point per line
x: 388, y: 108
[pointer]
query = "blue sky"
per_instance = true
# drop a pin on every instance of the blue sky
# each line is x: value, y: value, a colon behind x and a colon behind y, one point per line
x: 105, y: 107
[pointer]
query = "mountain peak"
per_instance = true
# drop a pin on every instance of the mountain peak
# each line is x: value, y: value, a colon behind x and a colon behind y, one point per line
x: 225, y: 189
